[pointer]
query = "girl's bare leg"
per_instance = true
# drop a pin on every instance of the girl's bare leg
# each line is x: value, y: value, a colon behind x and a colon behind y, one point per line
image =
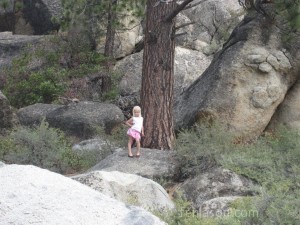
x: 138, y: 147
x: 129, y: 146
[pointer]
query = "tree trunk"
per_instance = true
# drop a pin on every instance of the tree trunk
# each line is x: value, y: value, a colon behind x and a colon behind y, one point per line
x: 110, y: 31
x: 109, y: 46
x: 158, y: 76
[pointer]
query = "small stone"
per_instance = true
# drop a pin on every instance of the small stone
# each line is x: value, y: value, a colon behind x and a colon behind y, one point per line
x: 260, y: 98
x: 256, y: 58
x: 273, y: 61
x: 265, y: 67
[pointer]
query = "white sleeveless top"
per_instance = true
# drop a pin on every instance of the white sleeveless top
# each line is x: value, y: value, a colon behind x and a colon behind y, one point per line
x: 137, y: 123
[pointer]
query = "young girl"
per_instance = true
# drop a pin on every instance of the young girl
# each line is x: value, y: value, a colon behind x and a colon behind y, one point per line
x: 135, y: 131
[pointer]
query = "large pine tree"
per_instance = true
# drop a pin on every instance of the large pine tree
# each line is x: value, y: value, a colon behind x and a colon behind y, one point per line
x: 158, y: 72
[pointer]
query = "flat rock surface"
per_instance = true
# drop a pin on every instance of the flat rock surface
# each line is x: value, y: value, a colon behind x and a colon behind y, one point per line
x: 151, y: 164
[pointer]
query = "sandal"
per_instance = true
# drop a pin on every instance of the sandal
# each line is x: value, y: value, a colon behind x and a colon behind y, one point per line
x: 130, y: 156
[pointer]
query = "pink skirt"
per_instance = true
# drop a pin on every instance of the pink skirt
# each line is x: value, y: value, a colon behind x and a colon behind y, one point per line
x: 134, y: 133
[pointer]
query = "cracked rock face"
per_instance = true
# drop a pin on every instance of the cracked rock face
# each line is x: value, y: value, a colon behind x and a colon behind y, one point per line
x: 11, y: 46
x: 214, y: 21
x: 244, y: 84
x: 213, y: 191
x: 288, y: 113
x: 35, y: 18
x: 128, y: 188
x: 263, y: 97
x: 266, y: 60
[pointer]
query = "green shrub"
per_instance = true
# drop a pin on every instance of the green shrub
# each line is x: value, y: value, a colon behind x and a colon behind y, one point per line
x: 58, y: 61
x: 184, y: 214
x: 272, y: 161
x: 114, y: 91
x: 41, y: 146
x: 7, y: 146
x: 200, y: 148
x: 42, y: 86
x: 116, y: 139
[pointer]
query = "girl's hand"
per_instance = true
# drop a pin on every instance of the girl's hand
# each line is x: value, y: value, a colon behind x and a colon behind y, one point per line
x: 129, y: 122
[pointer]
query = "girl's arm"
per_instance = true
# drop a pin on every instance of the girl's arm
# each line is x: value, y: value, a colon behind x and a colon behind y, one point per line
x: 129, y: 122
x: 143, y: 131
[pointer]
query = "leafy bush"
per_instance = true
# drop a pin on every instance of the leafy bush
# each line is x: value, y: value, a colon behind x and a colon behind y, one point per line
x: 43, y: 72
x: 199, y: 149
x: 42, y: 86
x: 41, y: 146
x: 184, y: 214
x: 117, y: 139
x: 272, y: 162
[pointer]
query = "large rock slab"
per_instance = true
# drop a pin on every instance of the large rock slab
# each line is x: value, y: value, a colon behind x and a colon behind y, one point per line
x: 34, y: 114
x: 125, y: 41
x: 12, y: 46
x: 30, y: 195
x: 188, y: 66
x: 213, y: 20
x: 91, y: 145
x: 215, y: 183
x: 128, y: 188
x: 288, y: 112
x: 82, y: 119
x: 6, y: 114
x: 153, y: 163
x: 35, y: 18
x: 244, y: 84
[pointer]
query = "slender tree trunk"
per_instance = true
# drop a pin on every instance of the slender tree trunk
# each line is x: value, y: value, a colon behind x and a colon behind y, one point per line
x: 110, y: 31
x: 158, y: 76
x: 109, y: 46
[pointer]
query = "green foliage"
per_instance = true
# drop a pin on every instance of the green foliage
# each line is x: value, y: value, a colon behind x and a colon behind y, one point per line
x: 92, y: 18
x: 57, y: 62
x: 7, y: 146
x: 117, y: 138
x: 4, y: 4
x: 42, y: 86
x: 288, y: 10
x: 184, y: 214
x: 41, y: 146
x: 272, y: 162
x: 79, y: 162
x: 199, y: 149
x: 114, y: 91
x: 18, y: 5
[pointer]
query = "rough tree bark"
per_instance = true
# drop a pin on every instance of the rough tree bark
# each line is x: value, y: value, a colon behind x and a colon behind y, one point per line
x: 158, y: 73
x: 109, y: 46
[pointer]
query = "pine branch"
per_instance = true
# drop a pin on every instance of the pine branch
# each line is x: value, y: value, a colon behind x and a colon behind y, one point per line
x: 180, y: 34
x: 184, y: 25
x: 193, y: 5
x: 182, y: 6
x: 174, y: 13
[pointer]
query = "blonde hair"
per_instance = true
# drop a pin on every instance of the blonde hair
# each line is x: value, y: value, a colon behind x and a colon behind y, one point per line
x: 137, y: 108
